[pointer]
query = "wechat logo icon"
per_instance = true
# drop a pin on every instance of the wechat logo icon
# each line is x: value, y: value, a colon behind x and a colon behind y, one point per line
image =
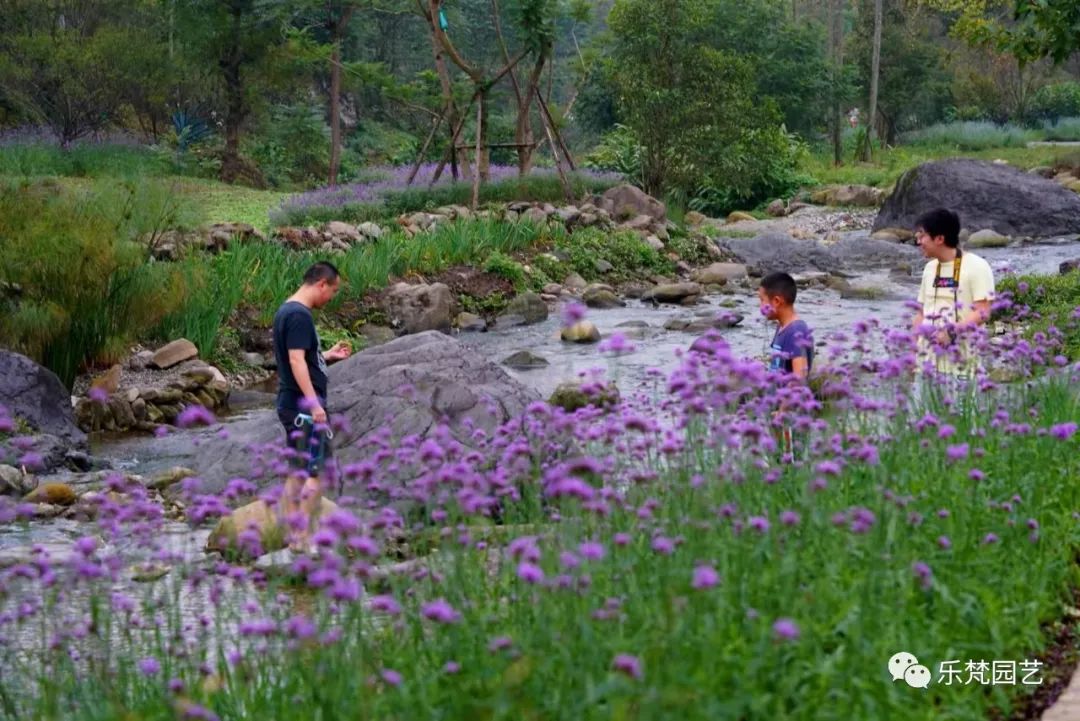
x: 904, y: 666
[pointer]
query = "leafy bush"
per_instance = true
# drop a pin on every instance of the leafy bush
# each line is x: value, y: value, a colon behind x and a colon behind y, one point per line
x: 619, y: 152
x: 1052, y: 102
x: 1064, y: 129
x: 78, y: 285
x: 971, y: 135
x: 505, y: 266
x: 293, y: 147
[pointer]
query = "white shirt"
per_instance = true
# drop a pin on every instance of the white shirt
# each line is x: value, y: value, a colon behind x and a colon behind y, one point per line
x: 944, y: 305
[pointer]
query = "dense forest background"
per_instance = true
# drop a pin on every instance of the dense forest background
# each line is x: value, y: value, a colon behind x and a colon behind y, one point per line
x: 706, y: 101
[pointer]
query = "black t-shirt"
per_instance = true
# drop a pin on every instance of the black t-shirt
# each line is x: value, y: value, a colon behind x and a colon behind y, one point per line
x: 294, y: 328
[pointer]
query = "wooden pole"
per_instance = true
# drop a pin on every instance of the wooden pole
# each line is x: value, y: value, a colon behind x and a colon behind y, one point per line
x: 423, y: 150
x: 479, y: 139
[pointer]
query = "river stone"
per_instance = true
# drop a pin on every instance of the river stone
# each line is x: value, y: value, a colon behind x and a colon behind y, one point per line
x: 772, y: 252
x: 598, y: 295
x: 986, y: 238
x: 407, y: 387
x: 174, y: 353
x: 572, y: 396
x: 581, y: 332
x: 469, y: 322
x: 419, y: 308
x: 627, y: 201
x: 529, y: 306
x: 346, y: 232
x: 13, y: 482
x: 985, y: 195
x: 719, y: 273
x: 263, y: 518
x: 1069, y: 266
x: 672, y: 292
x: 523, y: 360
x: 574, y: 283
x: 738, y: 216
x: 55, y: 494
x: 168, y: 478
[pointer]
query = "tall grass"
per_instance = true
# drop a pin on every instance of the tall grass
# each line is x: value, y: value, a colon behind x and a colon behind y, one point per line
x: 77, y: 287
x: 82, y: 160
x: 1065, y: 129
x: 262, y: 275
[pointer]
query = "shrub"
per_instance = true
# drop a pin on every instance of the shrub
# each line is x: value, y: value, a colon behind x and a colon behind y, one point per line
x: 79, y: 287
x: 1064, y: 129
x: 971, y: 135
x: 626, y: 251
x: 1052, y: 102
x: 293, y: 147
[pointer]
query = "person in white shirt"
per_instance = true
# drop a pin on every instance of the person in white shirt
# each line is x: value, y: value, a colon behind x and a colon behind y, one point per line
x: 955, y: 294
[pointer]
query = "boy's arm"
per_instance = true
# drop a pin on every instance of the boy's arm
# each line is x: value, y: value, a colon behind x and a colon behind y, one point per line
x: 800, y: 366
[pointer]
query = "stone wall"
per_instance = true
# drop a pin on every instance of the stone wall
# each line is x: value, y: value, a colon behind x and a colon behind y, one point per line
x: 146, y: 408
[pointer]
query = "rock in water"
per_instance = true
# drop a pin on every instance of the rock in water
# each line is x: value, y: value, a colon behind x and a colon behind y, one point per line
x: 581, y: 332
x: 529, y: 306
x: 54, y: 494
x: 407, y: 386
x: 985, y: 195
x: 256, y: 515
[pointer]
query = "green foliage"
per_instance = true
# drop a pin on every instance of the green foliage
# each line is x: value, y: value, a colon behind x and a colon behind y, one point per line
x: 1047, y: 28
x: 86, y: 290
x: 81, y: 161
x: 1056, y: 101
x: 692, y: 108
x: 630, y: 256
x: 620, y: 152
x: 505, y: 266
x: 293, y: 147
x: 1065, y: 129
x: 1042, y: 302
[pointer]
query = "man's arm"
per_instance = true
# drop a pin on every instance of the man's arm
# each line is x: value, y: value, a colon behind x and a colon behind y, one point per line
x: 303, y: 379
x: 979, y: 313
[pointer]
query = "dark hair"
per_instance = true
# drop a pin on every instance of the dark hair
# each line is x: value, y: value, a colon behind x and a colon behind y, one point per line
x: 780, y: 284
x: 941, y: 221
x: 323, y: 270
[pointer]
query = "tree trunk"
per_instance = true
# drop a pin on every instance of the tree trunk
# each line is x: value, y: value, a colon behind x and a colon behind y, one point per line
x: 231, y: 60
x: 836, y: 56
x: 875, y: 74
x: 337, y: 29
x: 483, y: 151
x: 524, y: 133
x: 451, y: 109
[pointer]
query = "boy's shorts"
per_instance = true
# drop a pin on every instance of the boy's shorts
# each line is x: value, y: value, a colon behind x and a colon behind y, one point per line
x: 312, y: 447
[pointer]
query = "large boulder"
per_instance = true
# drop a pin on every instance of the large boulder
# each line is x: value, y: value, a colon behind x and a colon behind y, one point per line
x: 985, y: 195
x: 407, y: 386
x: 419, y: 308
x: 32, y: 394
x: 529, y: 306
x: 625, y: 202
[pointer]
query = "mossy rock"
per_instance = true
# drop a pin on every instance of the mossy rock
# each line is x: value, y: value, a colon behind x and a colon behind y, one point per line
x: 271, y: 534
x: 572, y: 396
x: 54, y: 494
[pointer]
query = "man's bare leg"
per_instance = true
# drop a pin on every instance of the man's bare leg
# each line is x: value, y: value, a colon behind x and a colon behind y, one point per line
x: 310, y: 505
x: 290, y: 510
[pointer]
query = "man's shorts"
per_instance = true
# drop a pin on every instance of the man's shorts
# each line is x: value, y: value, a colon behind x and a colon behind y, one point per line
x: 312, y: 447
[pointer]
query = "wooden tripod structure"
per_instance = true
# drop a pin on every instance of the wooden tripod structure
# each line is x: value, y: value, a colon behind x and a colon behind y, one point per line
x: 455, y: 120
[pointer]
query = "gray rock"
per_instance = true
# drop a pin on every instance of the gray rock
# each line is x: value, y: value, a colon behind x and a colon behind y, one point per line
x: 141, y: 360
x: 602, y: 266
x: 376, y: 334
x: 406, y: 386
x: 574, y: 283
x: 529, y: 306
x: 776, y: 209
x: 370, y: 230
x: 254, y: 359
x: 632, y: 324
x: 770, y: 252
x: 626, y: 201
x: 510, y: 320
x: 985, y: 195
x: 419, y: 308
x: 342, y: 231
x: 1068, y: 266
x: 523, y: 360
x: 31, y: 393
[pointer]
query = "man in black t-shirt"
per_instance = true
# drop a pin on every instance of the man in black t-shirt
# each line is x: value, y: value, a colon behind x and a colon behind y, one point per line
x: 302, y: 389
